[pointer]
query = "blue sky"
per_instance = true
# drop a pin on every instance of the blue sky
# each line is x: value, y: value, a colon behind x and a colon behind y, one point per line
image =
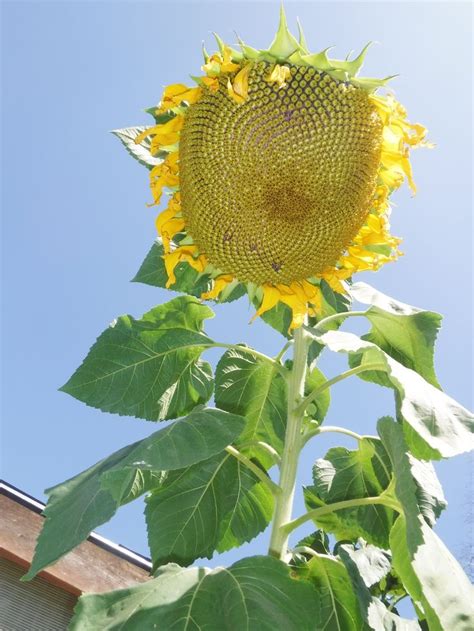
x: 76, y: 227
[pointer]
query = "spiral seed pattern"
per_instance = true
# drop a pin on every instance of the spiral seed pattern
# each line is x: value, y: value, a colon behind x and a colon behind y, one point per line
x: 273, y: 190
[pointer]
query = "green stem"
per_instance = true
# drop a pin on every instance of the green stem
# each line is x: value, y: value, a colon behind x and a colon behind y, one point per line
x: 261, y: 475
x: 283, y: 350
x: 330, y: 508
x: 327, y: 384
x: 331, y: 429
x: 333, y: 318
x: 291, y: 449
x: 305, y: 550
x: 250, y: 351
x: 263, y: 445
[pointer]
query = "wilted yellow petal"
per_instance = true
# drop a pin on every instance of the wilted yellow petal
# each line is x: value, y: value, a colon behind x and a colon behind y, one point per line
x: 218, y: 284
x: 279, y: 75
x: 238, y: 88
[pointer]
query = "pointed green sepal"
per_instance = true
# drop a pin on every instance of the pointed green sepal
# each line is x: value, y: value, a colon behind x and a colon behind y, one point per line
x: 296, y: 58
x: 320, y: 61
x: 284, y: 43
x: 220, y: 43
x: 205, y: 54
x: 302, y: 38
x: 197, y: 80
x: 248, y: 52
x: 352, y: 67
x: 370, y: 84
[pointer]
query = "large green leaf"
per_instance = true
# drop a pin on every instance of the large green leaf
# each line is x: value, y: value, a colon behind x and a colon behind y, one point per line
x: 345, y: 475
x: 213, y: 505
x: 256, y: 594
x: 148, y: 368
x: 429, y: 492
x: 374, y: 612
x: 253, y: 388
x: 91, y: 498
x: 442, y: 425
x: 434, y: 579
x: 406, y: 333
x: 338, y: 606
x: 153, y: 272
x: 393, y: 440
x: 372, y: 563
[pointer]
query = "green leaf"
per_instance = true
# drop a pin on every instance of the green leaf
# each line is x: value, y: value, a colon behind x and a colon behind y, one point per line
x: 406, y: 333
x: 140, y: 152
x: 213, y: 505
x: 318, y: 409
x: 442, y: 424
x: 253, y: 388
x: 153, y: 272
x: 91, y: 498
x: 279, y: 317
x: 317, y: 541
x: 148, y: 368
x: 393, y: 440
x: 338, y: 606
x: 434, y: 579
x: 429, y: 493
x: 345, y: 475
x: 373, y: 611
x: 372, y: 563
x: 256, y: 594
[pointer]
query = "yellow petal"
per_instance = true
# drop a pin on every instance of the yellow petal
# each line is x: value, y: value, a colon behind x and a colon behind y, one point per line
x: 279, y: 75
x: 271, y: 296
x: 238, y: 88
x: 180, y: 255
x: 211, y: 82
x: 218, y: 285
x: 177, y: 93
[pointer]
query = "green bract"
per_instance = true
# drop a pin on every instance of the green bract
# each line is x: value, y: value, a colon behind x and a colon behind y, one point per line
x: 216, y: 477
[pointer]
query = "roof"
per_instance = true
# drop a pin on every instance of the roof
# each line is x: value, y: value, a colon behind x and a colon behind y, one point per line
x: 96, y: 565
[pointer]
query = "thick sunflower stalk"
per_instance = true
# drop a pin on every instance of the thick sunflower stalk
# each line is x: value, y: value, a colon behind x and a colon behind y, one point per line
x: 278, y: 167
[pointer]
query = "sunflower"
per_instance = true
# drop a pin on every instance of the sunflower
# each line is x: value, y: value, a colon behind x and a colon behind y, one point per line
x: 279, y: 165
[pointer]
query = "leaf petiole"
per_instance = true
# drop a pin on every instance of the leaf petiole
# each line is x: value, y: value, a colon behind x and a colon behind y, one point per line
x: 283, y: 351
x: 261, y: 475
x: 330, y: 508
x: 330, y: 429
x: 268, y: 448
x: 348, y: 373
x: 322, y: 324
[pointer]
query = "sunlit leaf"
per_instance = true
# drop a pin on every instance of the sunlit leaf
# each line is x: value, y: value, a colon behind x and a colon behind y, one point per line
x: 253, y: 388
x: 375, y: 614
x: 254, y: 593
x: 91, y: 498
x: 406, y: 333
x: 338, y: 605
x: 148, y: 368
x: 345, y: 474
x: 213, y: 505
x: 434, y: 579
x: 445, y: 426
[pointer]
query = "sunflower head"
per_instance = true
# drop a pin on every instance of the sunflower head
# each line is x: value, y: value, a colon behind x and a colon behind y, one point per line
x: 279, y: 167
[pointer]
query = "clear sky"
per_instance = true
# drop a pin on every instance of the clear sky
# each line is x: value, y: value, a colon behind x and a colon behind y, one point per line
x: 76, y: 227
